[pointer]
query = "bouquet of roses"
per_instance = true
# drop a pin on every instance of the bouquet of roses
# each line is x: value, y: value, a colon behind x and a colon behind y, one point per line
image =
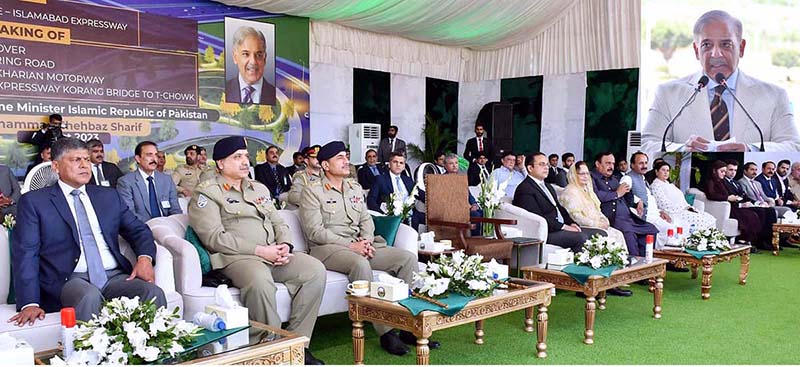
x: 397, y: 206
x: 457, y: 273
x: 600, y: 251
x: 709, y: 239
x: 130, y: 332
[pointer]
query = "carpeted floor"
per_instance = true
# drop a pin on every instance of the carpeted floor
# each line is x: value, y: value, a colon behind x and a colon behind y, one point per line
x: 753, y: 324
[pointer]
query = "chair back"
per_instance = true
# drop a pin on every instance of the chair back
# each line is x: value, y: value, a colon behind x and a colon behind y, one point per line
x: 446, y: 199
x: 39, y: 177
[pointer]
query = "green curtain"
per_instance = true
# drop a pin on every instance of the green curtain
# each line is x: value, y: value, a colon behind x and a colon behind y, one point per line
x: 526, y: 96
x: 611, y: 99
x: 441, y: 104
x: 371, y: 98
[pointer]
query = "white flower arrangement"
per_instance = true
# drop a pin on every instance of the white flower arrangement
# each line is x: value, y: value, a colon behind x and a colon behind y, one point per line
x: 457, y: 273
x: 396, y: 206
x: 601, y: 251
x: 130, y: 332
x: 9, y: 221
x: 490, y: 198
x: 709, y: 239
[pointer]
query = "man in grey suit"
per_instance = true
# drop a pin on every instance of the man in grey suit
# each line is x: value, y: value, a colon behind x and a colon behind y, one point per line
x: 754, y: 190
x: 389, y: 145
x: 9, y: 191
x: 148, y: 193
x: 715, y: 116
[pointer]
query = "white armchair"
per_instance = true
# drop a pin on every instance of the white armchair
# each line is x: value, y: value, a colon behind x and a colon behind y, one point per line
x: 721, y: 210
x: 532, y: 226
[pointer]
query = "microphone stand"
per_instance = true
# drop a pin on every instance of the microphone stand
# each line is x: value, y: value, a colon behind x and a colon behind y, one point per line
x: 672, y: 122
x: 760, y: 134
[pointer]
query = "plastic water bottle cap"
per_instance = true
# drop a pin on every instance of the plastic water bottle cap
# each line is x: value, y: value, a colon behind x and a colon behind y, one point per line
x: 68, y: 317
x: 220, y: 324
x: 670, y: 232
x: 650, y: 238
x: 680, y: 230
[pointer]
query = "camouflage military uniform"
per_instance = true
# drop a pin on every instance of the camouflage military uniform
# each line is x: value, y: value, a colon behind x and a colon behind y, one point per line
x: 231, y: 223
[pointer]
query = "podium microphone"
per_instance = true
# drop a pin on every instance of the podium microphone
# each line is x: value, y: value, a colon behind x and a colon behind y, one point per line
x: 721, y: 80
x: 700, y: 85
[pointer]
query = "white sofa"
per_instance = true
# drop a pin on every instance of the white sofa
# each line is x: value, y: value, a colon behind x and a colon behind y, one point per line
x: 721, y: 210
x: 170, y: 232
x: 532, y: 226
x: 45, y: 334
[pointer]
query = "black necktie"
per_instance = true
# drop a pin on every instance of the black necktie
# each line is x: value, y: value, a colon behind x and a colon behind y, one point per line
x: 155, y: 210
x: 277, y: 182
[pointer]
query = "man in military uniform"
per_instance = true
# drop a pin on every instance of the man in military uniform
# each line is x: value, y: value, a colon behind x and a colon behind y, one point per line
x: 303, y: 178
x: 340, y: 233
x: 187, y: 176
x: 251, y: 244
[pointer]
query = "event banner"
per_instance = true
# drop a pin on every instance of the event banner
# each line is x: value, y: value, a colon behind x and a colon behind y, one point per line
x: 134, y: 70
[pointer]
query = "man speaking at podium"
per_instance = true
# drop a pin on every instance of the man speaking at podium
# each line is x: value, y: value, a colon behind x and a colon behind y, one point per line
x: 715, y: 120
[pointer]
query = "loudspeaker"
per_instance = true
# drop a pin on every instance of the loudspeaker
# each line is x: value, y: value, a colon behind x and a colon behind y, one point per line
x: 498, y: 119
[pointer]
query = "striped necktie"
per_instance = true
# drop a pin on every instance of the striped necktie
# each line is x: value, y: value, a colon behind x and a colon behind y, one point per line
x: 719, y: 115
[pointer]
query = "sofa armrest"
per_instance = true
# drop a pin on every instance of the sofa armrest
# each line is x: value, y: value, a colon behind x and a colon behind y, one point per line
x: 530, y: 224
x: 186, y: 262
x: 407, y: 239
x: 165, y: 275
x: 721, y: 210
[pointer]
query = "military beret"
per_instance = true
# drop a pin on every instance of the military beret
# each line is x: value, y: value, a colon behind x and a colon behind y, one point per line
x: 194, y: 147
x: 311, y: 151
x: 227, y: 146
x: 330, y: 150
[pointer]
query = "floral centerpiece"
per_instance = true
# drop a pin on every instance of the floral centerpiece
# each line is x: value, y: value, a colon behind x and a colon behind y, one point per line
x: 9, y: 222
x: 709, y: 239
x: 457, y: 273
x: 397, y: 206
x: 490, y: 197
x: 130, y: 332
x: 601, y: 251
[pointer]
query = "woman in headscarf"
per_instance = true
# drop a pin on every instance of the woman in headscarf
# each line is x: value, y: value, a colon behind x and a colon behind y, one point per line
x: 582, y: 203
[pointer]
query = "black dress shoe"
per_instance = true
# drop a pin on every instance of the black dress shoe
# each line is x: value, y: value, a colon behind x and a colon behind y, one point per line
x: 391, y: 343
x: 672, y: 267
x: 754, y: 250
x: 311, y: 361
x: 643, y: 282
x: 789, y: 245
x: 619, y: 292
x: 410, y: 339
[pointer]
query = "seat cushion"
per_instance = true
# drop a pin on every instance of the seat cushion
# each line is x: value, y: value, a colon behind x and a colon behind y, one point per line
x: 205, y: 258
x: 489, y: 248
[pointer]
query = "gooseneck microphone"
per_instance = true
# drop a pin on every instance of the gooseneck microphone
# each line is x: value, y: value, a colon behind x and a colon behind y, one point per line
x: 721, y: 80
x: 700, y: 85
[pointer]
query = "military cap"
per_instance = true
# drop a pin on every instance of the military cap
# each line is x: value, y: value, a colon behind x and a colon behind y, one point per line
x: 227, y: 146
x: 330, y: 150
x: 311, y: 151
x: 194, y: 147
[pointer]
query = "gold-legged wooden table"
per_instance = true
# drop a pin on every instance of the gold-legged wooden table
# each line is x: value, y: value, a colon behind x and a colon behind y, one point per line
x: 682, y: 259
x: 426, y: 322
x: 779, y: 228
x: 263, y: 345
x: 596, y: 286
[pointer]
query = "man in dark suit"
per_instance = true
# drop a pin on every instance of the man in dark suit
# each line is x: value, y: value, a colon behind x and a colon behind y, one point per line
x: 615, y: 201
x: 390, y: 182
x: 390, y: 144
x: 9, y: 191
x: 771, y: 183
x: 250, y: 56
x: 272, y: 174
x: 103, y: 173
x: 479, y: 167
x: 369, y: 171
x: 479, y: 144
x: 147, y: 192
x: 65, y: 245
x: 555, y: 175
x: 297, y: 163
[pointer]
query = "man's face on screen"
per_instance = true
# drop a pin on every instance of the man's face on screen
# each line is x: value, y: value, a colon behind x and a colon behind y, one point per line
x: 250, y: 57
x: 718, y: 49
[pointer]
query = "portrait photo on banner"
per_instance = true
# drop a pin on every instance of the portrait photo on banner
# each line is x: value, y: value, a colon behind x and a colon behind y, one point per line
x: 249, y: 62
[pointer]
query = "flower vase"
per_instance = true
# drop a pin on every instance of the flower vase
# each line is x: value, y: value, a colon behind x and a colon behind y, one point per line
x: 488, y: 228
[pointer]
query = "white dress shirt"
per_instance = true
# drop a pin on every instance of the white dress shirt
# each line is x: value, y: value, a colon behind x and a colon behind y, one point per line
x: 398, y: 190
x: 105, y: 253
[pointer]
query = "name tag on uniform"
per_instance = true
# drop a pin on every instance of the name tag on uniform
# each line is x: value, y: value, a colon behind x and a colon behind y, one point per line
x: 105, y: 183
x: 165, y: 204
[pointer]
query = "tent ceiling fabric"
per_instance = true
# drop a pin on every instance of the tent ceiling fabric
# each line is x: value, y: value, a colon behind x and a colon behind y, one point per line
x: 475, y: 24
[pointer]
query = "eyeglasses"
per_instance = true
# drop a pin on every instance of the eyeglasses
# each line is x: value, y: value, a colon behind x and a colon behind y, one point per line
x: 583, y: 173
x: 541, y: 164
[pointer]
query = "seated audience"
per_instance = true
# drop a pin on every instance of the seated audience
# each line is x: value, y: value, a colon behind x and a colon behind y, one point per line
x: 9, y: 191
x: 65, y: 244
x: 766, y: 216
x: 273, y: 174
x: 750, y: 225
x: 161, y: 162
x: 793, y: 182
x: 147, y: 192
x: 103, y: 173
x: 250, y: 243
x: 555, y: 175
x: 621, y: 169
x: 340, y: 233
x: 43, y: 156
x: 393, y: 181
x: 509, y: 173
x: 479, y: 168
x: 187, y: 176
x: 646, y: 205
x: 369, y: 171
x: 451, y: 166
x: 755, y: 192
x: 770, y: 183
x: 671, y: 200
x: 303, y: 178
x: 583, y: 206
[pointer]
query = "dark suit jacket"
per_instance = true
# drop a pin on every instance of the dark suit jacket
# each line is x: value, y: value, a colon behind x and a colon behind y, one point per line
x: 46, y: 138
x: 365, y: 177
x: 556, y: 176
x: 10, y: 189
x: 529, y: 196
x: 607, y: 193
x: 734, y: 188
x: 471, y: 149
x: 233, y: 93
x: 474, y: 173
x: 45, y: 243
x: 111, y: 172
x: 772, y: 186
x: 385, y: 149
x: 383, y: 188
x: 264, y: 175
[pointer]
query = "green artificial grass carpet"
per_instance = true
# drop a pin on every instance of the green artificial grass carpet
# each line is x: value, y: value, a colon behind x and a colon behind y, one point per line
x: 752, y: 324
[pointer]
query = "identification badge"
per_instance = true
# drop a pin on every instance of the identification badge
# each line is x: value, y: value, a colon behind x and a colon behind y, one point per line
x: 105, y: 183
x: 165, y: 204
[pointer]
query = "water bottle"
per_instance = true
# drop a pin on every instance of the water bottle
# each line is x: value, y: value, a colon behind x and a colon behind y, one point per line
x: 671, y: 240
x: 209, y: 322
x: 68, y: 331
x: 648, y: 248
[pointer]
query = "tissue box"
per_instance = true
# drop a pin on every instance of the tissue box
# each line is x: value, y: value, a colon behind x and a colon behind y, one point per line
x: 511, y: 232
x: 433, y: 247
x: 388, y: 292
x: 233, y: 316
x: 499, y: 269
x: 561, y: 257
x: 21, y: 354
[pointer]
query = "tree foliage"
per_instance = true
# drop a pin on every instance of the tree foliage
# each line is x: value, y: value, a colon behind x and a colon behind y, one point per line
x: 666, y: 37
x: 786, y: 58
x: 436, y: 140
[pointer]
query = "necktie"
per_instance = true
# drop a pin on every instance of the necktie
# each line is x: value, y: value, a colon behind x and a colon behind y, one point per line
x: 480, y: 144
x: 277, y: 182
x: 719, y: 115
x: 401, y: 188
x: 155, y: 210
x: 552, y: 201
x: 100, y: 176
x: 97, y: 275
x: 755, y: 190
x: 391, y: 143
x: 484, y: 171
x: 374, y: 170
x: 248, y: 94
